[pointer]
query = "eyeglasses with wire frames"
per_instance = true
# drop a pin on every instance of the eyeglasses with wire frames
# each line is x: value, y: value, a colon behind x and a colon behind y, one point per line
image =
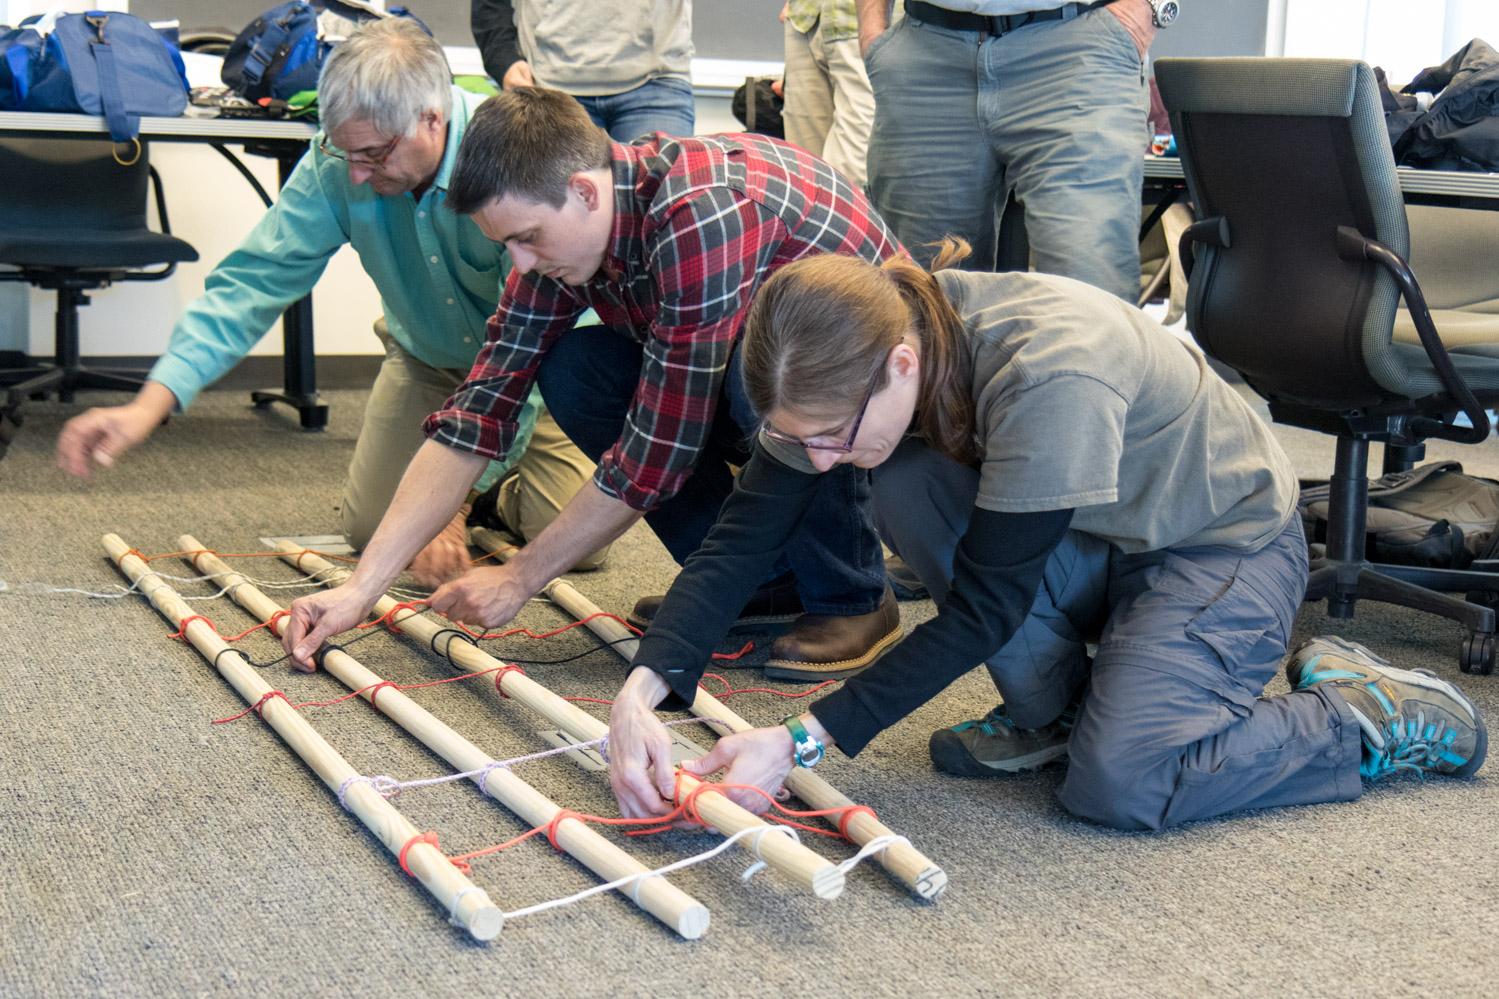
x: 847, y: 446
x: 360, y: 157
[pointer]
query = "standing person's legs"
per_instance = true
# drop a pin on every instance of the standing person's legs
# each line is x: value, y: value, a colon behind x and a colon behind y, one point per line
x: 808, y: 114
x: 922, y: 504
x: 1066, y: 105
x: 931, y: 169
x: 1174, y: 727
x: 405, y: 392
x: 847, y: 145
x: 665, y: 104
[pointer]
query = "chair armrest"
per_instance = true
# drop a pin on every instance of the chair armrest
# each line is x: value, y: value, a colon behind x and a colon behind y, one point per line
x: 1212, y: 231
x: 1354, y: 245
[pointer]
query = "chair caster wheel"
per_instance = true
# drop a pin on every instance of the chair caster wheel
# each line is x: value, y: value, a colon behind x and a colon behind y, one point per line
x: 1477, y: 654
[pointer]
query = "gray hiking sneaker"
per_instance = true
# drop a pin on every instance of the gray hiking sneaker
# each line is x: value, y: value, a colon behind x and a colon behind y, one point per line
x: 994, y: 744
x: 1411, y: 719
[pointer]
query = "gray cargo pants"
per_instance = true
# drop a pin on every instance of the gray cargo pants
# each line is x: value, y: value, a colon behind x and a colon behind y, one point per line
x: 1172, y: 726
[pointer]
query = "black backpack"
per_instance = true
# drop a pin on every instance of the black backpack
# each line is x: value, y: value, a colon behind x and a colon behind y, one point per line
x: 1433, y: 516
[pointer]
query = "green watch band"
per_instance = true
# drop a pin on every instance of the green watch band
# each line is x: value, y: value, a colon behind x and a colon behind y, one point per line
x: 806, y: 749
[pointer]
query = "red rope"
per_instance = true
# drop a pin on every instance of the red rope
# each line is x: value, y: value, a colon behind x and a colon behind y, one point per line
x: 730, y: 690
x: 181, y: 632
x: 257, y: 707
x: 429, y: 837
x: 685, y: 810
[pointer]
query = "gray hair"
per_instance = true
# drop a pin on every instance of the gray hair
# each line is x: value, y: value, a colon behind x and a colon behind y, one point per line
x: 388, y: 73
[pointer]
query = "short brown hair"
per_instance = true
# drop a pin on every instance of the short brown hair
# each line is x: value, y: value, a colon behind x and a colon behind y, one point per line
x: 820, y: 330
x: 529, y: 142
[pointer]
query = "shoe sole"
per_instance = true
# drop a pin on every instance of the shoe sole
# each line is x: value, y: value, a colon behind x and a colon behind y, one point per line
x: 810, y: 672
x: 951, y: 757
x: 1426, y: 681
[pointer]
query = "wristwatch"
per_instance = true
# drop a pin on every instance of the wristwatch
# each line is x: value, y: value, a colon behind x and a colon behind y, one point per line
x: 806, y: 749
x: 1164, y: 12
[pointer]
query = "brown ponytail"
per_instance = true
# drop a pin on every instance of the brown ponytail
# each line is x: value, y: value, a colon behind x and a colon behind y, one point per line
x: 820, y: 330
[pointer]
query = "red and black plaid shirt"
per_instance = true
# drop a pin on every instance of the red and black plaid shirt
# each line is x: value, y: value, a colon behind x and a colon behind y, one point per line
x: 698, y: 224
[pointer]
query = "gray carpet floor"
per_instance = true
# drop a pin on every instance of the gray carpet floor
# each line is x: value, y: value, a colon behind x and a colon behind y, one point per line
x: 147, y: 851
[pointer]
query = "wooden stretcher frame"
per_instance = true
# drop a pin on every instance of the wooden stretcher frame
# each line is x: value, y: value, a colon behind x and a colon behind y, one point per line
x: 780, y: 851
x: 678, y: 910
x: 468, y: 905
x: 906, y: 863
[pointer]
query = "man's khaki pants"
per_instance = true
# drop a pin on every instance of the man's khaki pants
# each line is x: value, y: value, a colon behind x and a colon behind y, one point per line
x: 829, y: 104
x: 405, y: 392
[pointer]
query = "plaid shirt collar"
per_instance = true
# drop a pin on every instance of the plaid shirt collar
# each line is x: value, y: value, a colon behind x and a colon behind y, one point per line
x: 634, y: 187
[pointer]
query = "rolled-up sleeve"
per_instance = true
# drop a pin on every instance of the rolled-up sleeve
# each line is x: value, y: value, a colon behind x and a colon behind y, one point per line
x: 483, y: 415
x: 707, y: 257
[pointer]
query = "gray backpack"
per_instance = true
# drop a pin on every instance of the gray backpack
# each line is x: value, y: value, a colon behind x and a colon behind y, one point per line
x: 1433, y: 516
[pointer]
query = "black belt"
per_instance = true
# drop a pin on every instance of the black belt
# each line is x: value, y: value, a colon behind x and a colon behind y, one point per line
x: 996, y: 25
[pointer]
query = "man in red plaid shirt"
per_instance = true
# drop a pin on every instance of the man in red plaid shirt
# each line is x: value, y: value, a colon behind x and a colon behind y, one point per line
x: 667, y: 240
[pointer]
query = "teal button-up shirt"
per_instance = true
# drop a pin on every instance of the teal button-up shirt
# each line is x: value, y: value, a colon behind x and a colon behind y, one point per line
x: 439, y: 278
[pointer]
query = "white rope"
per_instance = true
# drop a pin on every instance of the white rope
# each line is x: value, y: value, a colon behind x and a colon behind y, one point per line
x: 658, y: 872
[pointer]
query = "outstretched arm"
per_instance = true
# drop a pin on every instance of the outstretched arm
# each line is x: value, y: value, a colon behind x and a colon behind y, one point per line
x: 434, y: 486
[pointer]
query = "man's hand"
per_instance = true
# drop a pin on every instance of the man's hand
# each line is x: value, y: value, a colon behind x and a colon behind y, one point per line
x: 518, y: 75
x: 446, y: 556
x: 318, y: 617
x: 102, y: 434
x: 485, y: 598
x: 760, y: 757
x: 1138, y: 19
x: 641, y: 771
x: 874, y: 18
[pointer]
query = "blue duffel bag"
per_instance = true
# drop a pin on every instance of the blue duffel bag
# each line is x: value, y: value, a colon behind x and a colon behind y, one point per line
x: 109, y: 64
x: 18, y: 51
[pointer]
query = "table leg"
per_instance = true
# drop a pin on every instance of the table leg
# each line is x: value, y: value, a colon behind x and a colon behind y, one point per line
x: 299, y: 379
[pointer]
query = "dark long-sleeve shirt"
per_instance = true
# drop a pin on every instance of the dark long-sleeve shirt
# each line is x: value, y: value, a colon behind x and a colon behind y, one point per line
x: 493, y: 25
x: 996, y: 572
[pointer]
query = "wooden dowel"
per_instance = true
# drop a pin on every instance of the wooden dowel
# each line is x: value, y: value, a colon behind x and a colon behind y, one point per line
x: 468, y: 904
x: 656, y: 895
x: 780, y: 851
x: 908, y: 864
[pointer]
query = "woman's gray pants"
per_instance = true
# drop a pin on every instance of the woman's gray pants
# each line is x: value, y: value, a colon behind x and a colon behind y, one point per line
x: 1172, y: 725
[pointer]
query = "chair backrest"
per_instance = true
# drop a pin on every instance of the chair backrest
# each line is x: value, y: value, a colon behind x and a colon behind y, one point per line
x: 1285, y: 151
x: 70, y: 184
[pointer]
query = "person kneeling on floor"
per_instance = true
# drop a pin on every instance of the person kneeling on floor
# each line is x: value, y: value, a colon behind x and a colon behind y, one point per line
x: 1058, y: 469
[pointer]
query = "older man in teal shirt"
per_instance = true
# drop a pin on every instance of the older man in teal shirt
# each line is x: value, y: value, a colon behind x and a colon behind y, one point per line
x: 376, y: 180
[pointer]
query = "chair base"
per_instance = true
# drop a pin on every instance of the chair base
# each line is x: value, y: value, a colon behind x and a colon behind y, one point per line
x: 1344, y: 583
x: 41, y: 381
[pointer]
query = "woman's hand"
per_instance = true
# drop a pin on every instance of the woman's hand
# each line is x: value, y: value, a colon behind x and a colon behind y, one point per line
x: 760, y: 757
x: 641, y: 771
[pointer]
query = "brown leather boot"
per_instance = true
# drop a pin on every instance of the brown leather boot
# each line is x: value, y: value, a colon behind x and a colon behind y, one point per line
x: 774, y: 603
x: 822, y: 647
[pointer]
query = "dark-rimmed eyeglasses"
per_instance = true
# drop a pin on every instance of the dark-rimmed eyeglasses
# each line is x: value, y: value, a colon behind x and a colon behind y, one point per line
x: 360, y: 157
x: 846, y: 447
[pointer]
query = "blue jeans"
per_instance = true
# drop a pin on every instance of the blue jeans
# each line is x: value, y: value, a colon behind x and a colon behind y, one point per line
x: 1174, y: 725
x: 661, y: 105
x: 1055, y: 112
x: 588, y: 380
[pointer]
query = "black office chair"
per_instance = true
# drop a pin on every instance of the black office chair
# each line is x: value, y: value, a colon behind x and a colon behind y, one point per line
x: 74, y: 222
x: 1298, y: 266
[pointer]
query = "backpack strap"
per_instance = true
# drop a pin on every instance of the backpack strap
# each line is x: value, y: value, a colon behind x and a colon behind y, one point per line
x: 268, y: 47
x: 123, y: 127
